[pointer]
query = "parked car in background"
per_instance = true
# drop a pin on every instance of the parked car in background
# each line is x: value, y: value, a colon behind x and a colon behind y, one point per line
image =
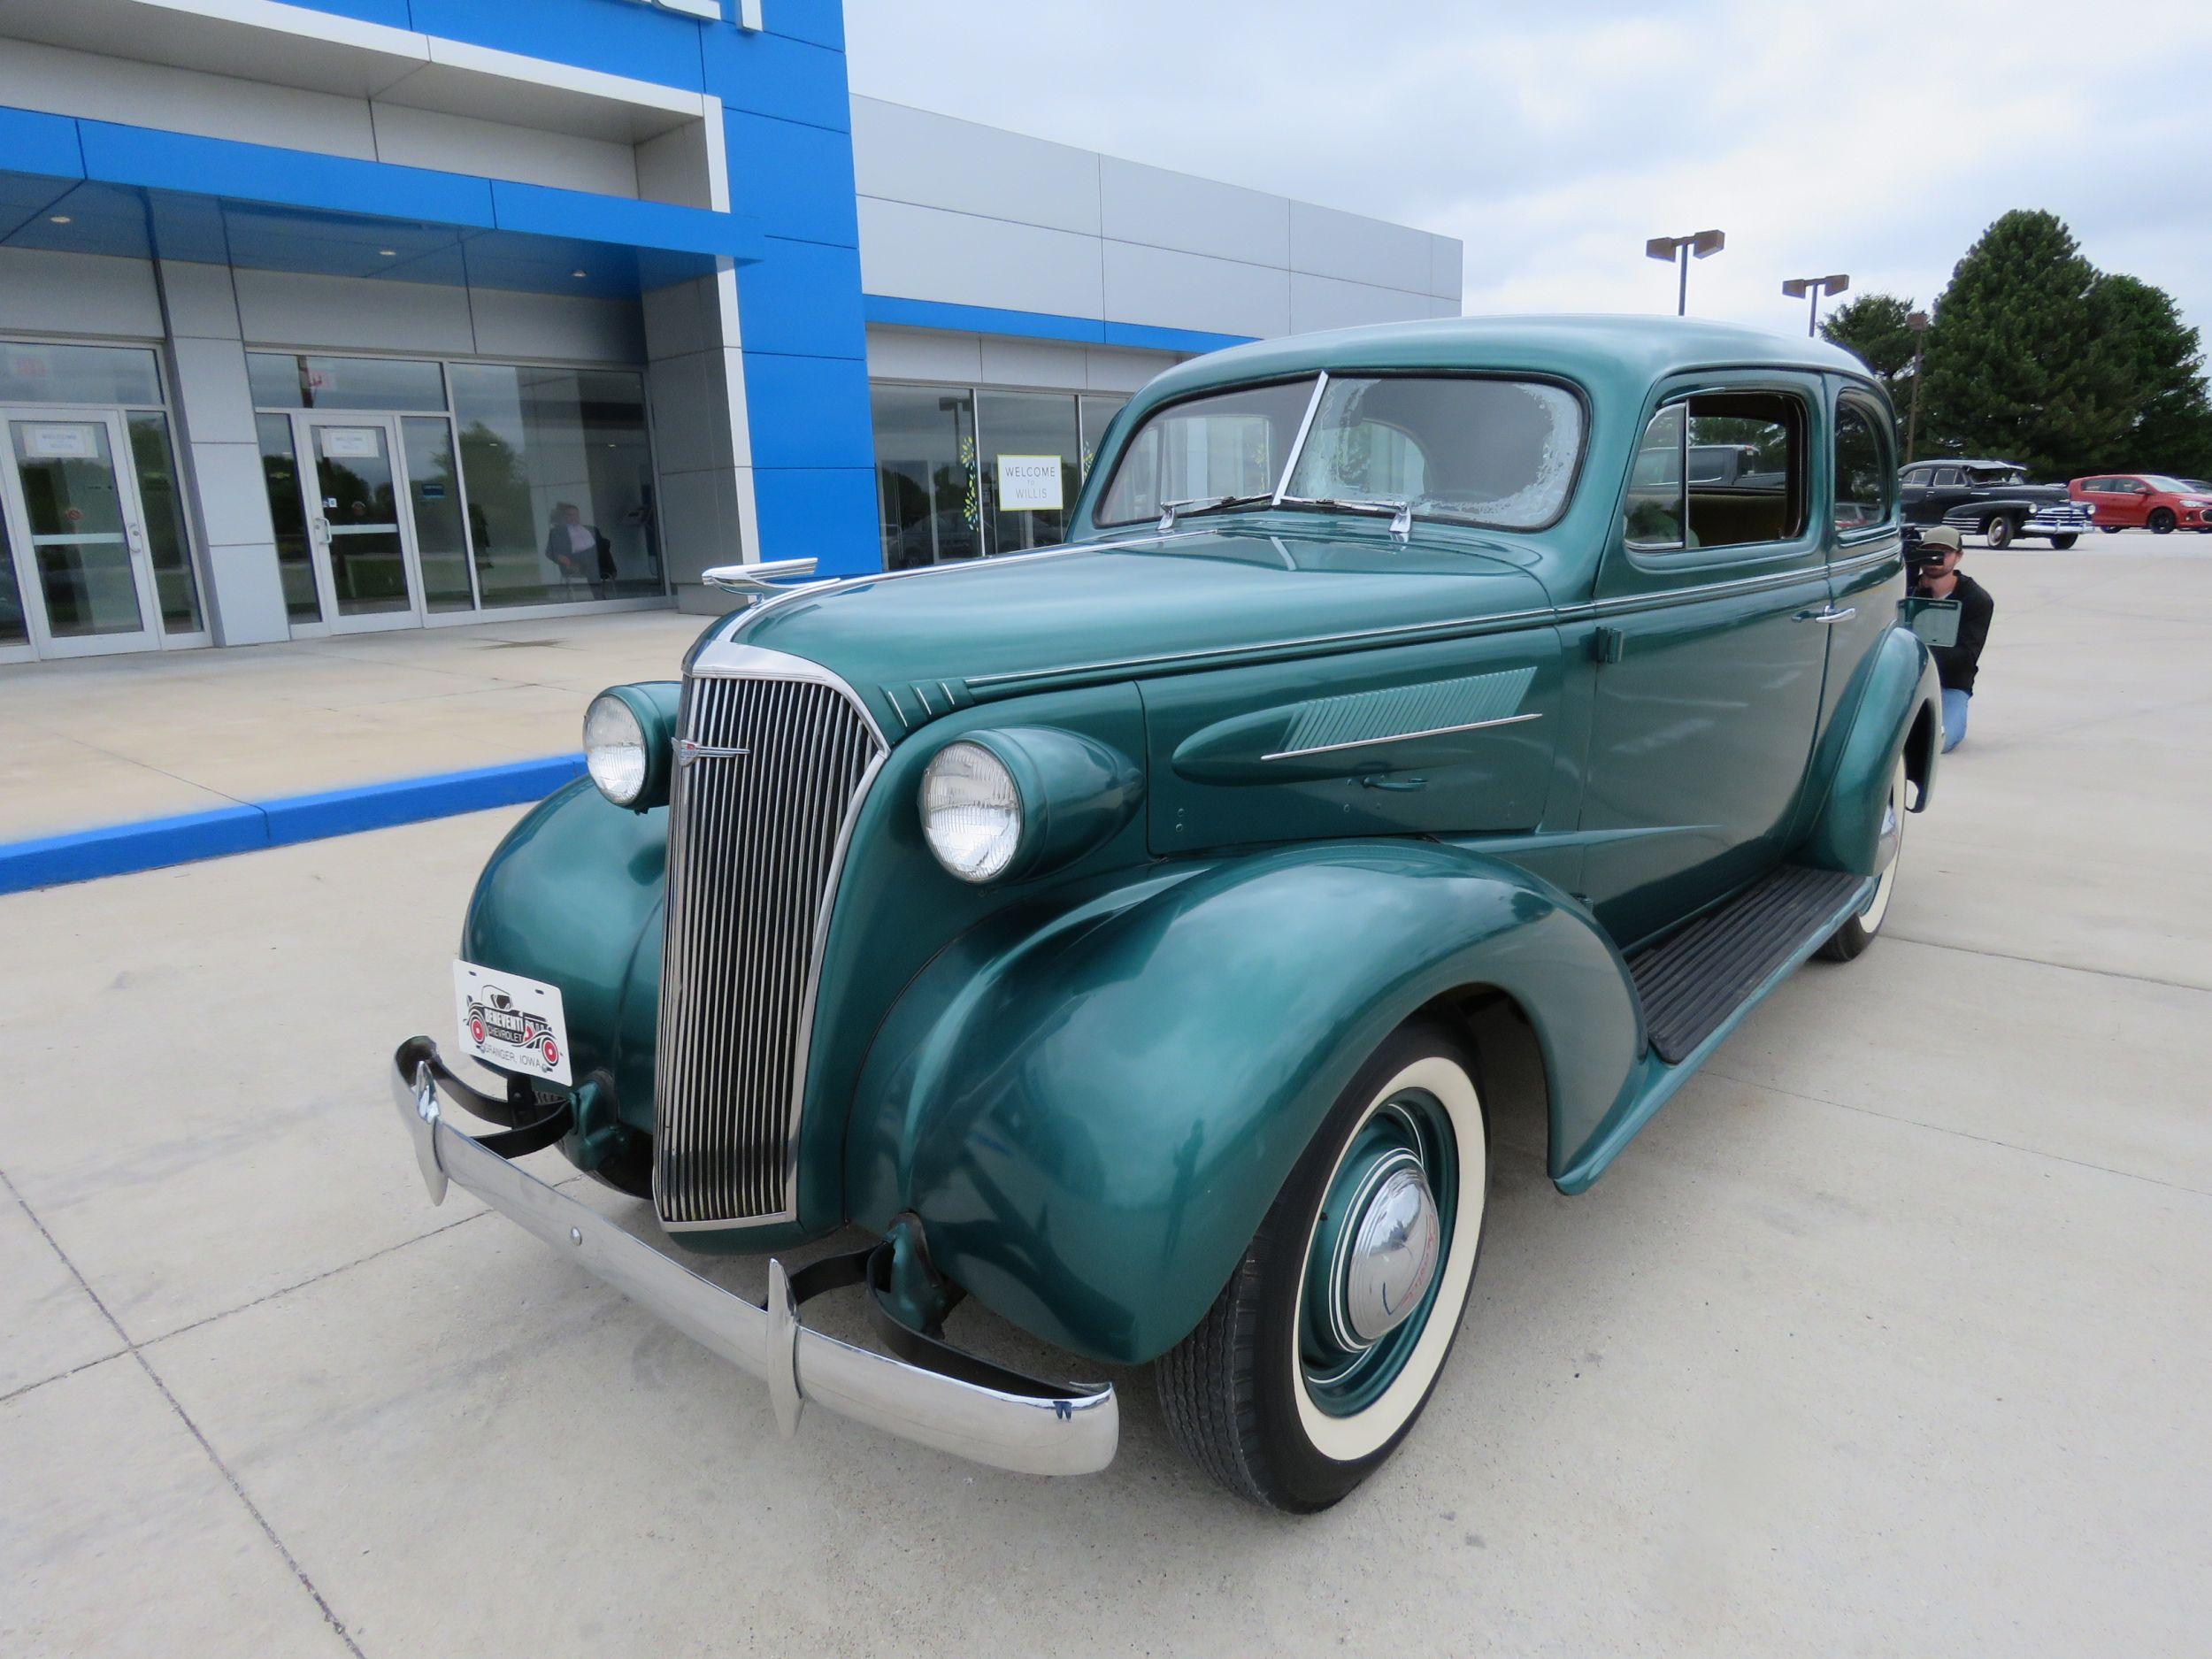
x: 1993, y: 499
x: 1134, y: 935
x: 2148, y: 501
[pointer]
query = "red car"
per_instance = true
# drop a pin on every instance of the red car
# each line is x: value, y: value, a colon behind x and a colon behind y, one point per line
x: 2152, y: 500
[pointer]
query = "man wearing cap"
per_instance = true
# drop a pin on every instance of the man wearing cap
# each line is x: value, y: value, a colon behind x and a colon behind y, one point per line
x: 1957, y: 665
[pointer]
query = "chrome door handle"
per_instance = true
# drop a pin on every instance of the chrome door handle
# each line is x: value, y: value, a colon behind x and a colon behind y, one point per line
x: 1829, y: 616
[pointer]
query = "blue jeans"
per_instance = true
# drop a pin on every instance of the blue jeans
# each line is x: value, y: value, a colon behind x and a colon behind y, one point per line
x: 1955, y: 704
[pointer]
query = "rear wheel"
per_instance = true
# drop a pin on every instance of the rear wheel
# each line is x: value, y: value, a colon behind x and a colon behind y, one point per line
x: 1320, y: 1352
x: 1858, y: 932
x: 1999, y: 531
x: 2061, y: 542
x: 2162, y: 521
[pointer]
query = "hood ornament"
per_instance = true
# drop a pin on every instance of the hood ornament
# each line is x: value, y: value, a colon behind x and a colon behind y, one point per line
x: 776, y: 578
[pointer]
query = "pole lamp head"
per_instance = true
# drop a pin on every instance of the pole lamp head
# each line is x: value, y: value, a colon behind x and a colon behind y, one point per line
x: 1706, y: 244
x: 1918, y: 321
x: 1662, y: 247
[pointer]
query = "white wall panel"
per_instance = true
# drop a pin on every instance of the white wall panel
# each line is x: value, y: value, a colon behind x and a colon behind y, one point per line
x: 64, y: 82
x: 927, y: 254
x: 561, y: 326
x: 1112, y: 370
x: 77, y: 294
x: 1186, y: 290
x: 1326, y: 302
x: 200, y: 299
x: 924, y: 354
x: 1046, y: 362
x: 286, y: 308
x: 1447, y: 259
x: 1175, y: 209
x: 1326, y: 243
x: 233, y: 497
x: 211, y: 391
x: 456, y: 143
x: 908, y: 155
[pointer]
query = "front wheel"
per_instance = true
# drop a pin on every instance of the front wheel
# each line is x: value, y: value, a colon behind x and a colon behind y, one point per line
x: 1999, y: 532
x: 2061, y: 542
x: 1858, y: 931
x: 1313, y: 1363
x: 2162, y: 522
x: 2109, y: 529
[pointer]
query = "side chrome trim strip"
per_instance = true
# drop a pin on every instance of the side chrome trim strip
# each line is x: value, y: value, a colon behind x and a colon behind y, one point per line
x: 1399, y: 737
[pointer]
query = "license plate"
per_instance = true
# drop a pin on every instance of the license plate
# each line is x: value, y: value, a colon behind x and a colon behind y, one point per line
x: 512, y: 1022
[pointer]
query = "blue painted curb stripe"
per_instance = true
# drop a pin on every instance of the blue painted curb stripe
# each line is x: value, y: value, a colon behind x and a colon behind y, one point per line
x: 115, y: 849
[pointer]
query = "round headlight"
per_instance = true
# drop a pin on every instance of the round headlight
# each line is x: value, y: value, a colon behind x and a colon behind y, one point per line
x: 614, y: 749
x: 971, y: 811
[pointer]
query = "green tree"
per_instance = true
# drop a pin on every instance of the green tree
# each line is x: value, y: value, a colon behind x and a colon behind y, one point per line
x: 2141, y: 330
x: 2014, y: 368
x: 1872, y: 327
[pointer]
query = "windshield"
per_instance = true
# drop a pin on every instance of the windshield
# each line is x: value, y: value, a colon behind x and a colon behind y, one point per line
x: 1230, y: 443
x: 1495, y: 452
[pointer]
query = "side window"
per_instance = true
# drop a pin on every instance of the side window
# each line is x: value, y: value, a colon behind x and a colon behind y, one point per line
x: 1865, y: 496
x: 1946, y: 476
x: 1722, y: 469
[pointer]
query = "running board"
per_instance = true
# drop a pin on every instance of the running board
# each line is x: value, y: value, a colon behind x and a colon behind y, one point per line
x: 1693, y: 982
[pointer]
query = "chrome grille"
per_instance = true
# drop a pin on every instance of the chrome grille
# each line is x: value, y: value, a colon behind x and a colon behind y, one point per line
x: 769, y: 773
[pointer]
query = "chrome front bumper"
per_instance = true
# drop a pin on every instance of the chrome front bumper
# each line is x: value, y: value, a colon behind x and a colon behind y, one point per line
x: 1072, y: 1433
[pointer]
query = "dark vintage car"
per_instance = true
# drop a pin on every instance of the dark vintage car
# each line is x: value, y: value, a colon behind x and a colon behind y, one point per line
x: 1136, y: 936
x: 1993, y: 499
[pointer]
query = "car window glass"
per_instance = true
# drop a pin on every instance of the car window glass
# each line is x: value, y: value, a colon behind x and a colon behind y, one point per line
x: 1230, y: 443
x: 1724, y: 469
x: 1865, y: 496
x: 1946, y: 475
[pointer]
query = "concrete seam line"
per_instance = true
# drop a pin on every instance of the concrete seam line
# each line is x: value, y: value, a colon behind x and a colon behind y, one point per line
x: 299, y: 1572
x: 115, y: 849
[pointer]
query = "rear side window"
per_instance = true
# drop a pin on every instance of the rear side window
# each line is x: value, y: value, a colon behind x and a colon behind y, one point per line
x: 1866, y: 494
x: 1722, y: 469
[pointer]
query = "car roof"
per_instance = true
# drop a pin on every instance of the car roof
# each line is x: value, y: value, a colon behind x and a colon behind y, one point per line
x: 1584, y: 348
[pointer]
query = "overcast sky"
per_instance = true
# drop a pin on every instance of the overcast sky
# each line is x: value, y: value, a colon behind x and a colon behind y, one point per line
x: 1876, y: 138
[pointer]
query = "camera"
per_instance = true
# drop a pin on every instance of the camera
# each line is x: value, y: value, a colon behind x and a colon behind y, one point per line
x: 1919, y: 561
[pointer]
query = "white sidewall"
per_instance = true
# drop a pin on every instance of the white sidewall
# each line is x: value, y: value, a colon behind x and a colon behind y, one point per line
x: 1878, y: 907
x: 1349, y: 1438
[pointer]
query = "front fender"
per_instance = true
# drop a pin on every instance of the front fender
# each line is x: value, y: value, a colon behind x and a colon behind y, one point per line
x: 1092, y: 1112
x: 1898, y: 699
x: 574, y: 896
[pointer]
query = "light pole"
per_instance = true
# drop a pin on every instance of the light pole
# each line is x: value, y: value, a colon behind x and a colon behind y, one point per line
x: 1918, y: 323
x: 1703, y: 243
x: 1809, y: 289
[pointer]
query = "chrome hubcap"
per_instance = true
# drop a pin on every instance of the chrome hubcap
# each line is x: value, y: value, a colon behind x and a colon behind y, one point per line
x: 1393, y: 1254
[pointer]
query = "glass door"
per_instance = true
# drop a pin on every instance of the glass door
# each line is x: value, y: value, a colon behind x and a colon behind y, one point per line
x: 84, y: 584
x: 362, y: 536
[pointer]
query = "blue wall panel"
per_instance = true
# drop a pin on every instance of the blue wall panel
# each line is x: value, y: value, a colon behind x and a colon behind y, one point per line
x: 618, y: 36
x: 808, y: 411
x: 773, y: 75
x: 803, y: 298
x: 796, y: 179
x: 391, y: 13
x: 821, y: 22
x: 826, y: 513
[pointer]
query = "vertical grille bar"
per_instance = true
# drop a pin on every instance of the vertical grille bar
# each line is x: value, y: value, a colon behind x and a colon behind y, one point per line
x: 754, y: 845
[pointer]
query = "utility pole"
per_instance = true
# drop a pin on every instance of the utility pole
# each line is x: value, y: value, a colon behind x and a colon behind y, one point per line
x: 1809, y: 289
x: 1678, y: 250
x: 1918, y: 323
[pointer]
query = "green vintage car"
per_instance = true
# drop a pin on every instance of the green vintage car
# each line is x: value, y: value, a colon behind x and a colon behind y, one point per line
x: 1124, y: 934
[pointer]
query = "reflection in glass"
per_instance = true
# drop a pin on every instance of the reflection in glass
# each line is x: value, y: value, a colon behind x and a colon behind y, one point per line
x: 559, y: 475
x: 283, y: 381
x: 1230, y: 443
x: 158, y: 497
x: 14, y: 629
x: 1099, y: 410
x: 353, y: 474
x: 79, y: 540
x: 434, y: 489
x: 295, y: 559
x: 77, y: 374
x: 927, y: 491
x: 1866, y: 478
x: 1027, y: 424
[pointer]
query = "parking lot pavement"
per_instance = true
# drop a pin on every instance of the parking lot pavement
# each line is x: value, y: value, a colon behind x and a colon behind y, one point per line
x: 112, y: 739
x: 1887, y: 1336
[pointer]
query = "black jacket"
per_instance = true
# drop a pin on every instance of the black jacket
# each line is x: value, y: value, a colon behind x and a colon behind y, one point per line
x: 1957, y: 664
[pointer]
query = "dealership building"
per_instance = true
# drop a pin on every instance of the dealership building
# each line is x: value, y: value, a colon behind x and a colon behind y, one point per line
x: 356, y: 314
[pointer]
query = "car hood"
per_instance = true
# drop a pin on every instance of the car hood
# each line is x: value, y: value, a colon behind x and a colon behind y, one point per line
x: 1123, y: 609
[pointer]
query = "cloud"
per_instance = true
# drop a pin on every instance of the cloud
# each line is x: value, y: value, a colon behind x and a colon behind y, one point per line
x: 1552, y: 139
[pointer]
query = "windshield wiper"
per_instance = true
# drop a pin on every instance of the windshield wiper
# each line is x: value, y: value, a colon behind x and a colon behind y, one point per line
x: 1401, y: 511
x: 1170, y: 510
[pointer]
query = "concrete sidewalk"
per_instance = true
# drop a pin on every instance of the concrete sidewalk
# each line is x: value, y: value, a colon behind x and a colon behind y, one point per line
x: 114, y: 740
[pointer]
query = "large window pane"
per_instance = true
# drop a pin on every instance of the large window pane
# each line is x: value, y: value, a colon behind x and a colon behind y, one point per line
x: 434, y: 486
x: 295, y: 563
x: 165, y: 539
x: 559, y: 474
x: 1230, y: 443
x: 77, y: 374
x: 1038, y: 428
x: 1099, y: 410
x: 926, y: 488
x: 289, y: 382
x: 13, y: 629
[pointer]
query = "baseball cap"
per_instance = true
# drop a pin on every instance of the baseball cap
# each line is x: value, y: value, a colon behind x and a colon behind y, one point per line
x: 1944, y: 537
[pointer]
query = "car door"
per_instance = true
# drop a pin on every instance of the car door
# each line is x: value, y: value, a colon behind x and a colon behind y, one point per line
x: 1866, y: 566
x: 2132, y: 500
x: 1711, y: 607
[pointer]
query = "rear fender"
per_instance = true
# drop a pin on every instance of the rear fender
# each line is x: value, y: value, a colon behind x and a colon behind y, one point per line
x: 1896, y: 709
x: 1091, y: 1113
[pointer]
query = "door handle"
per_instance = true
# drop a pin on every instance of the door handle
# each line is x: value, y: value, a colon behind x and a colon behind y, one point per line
x: 1828, y: 617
